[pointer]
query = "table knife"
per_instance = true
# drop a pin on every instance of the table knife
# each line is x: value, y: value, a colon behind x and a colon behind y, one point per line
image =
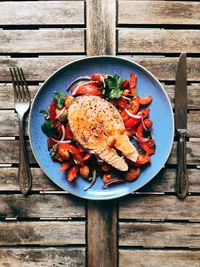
x: 181, y: 126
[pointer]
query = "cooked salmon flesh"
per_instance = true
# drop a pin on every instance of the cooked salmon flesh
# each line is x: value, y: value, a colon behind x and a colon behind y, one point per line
x: 98, y: 126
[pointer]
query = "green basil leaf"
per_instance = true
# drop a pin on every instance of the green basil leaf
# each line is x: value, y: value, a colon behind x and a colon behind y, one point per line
x: 48, y: 128
x: 59, y: 99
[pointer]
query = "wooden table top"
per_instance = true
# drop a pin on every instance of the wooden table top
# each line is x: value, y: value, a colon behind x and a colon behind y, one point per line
x: 50, y: 227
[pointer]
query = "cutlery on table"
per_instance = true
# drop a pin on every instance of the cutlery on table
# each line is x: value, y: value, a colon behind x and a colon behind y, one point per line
x: 22, y: 101
x: 181, y: 126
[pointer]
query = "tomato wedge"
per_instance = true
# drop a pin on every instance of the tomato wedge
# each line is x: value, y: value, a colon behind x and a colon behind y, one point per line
x: 132, y: 174
x: 134, y: 106
x: 72, y: 173
x: 52, y: 111
x: 62, y: 148
x: 50, y: 143
x: 98, y: 78
x: 125, y: 84
x: 149, y: 146
x: 87, y: 89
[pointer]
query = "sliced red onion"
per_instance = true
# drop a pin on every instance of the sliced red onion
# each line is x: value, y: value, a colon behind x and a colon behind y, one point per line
x: 146, y: 129
x: 78, y: 86
x: 125, y: 97
x: 133, y: 115
x: 76, y: 80
x: 141, y: 139
x: 94, y: 177
x: 61, y: 141
x: 60, y: 113
x: 112, y: 181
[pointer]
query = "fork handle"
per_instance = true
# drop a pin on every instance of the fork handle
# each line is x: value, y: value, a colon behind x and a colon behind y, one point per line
x: 182, y: 174
x: 24, y: 173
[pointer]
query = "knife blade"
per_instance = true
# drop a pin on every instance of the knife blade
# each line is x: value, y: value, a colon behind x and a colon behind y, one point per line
x: 181, y: 126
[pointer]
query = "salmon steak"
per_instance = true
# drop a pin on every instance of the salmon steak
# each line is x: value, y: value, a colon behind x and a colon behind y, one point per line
x: 98, y: 127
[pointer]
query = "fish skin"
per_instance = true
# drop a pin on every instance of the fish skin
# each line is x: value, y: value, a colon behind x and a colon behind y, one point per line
x: 92, y: 120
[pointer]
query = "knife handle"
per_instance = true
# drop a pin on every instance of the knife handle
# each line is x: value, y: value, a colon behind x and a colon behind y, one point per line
x: 182, y: 175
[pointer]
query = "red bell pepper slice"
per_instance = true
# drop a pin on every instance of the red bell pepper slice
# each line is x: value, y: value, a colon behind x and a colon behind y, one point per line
x: 72, y: 173
x: 98, y: 78
x: 68, y: 133
x: 134, y: 106
x: 145, y: 101
x: 133, y: 81
x: 50, y: 143
x: 133, y: 121
x: 65, y: 166
x: 121, y: 103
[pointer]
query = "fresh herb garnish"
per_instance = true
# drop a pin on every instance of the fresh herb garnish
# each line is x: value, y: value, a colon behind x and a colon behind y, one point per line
x: 59, y: 99
x: 46, y: 114
x: 49, y: 129
x: 113, y: 87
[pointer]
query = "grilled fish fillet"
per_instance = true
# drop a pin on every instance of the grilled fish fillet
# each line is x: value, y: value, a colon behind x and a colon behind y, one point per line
x: 93, y: 121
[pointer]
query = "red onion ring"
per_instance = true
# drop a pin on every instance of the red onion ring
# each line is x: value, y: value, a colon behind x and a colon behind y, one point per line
x: 125, y: 97
x: 94, y: 177
x: 133, y: 115
x: 76, y: 80
x: 61, y: 141
x: 141, y: 139
x: 60, y: 113
x: 112, y: 181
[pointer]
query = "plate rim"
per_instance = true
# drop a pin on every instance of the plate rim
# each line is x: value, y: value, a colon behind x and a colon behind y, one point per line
x: 93, y: 57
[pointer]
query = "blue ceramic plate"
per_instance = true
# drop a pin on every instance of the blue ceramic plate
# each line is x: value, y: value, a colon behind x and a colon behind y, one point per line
x: 161, y: 114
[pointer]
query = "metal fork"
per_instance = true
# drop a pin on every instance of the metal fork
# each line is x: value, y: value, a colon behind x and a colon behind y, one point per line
x: 22, y: 101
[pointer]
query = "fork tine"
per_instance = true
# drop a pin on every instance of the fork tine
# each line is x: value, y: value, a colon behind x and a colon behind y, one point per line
x: 14, y: 85
x: 17, y: 85
x: 25, y: 84
x: 24, y: 97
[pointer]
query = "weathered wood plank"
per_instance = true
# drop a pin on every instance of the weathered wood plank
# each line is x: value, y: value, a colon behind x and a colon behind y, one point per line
x: 158, y: 12
x: 101, y: 21
x: 165, y: 181
x: 9, y: 152
x: 42, y: 41
x: 42, y: 13
x: 40, y: 182
x: 9, y: 124
x: 42, y: 233
x: 43, y: 205
x: 43, y: 257
x: 102, y: 216
x: 164, y: 68
x: 158, y: 41
x: 159, y: 208
x: 7, y: 101
x: 159, y: 234
x: 164, y: 258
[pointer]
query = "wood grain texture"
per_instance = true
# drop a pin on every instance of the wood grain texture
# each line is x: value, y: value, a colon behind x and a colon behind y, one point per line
x: 158, y: 41
x: 42, y: 41
x: 9, y: 152
x: 42, y: 257
x: 163, y: 182
x: 159, y: 208
x: 9, y: 124
x: 42, y: 233
x: 41, y: 206
x: 102, y: 216
x: 158, y: 12
x: 7, y: 96
x: 39, y: 69
x: 102, y: 233
x: 164, y: 68
x: 164, y: 258
x: 101, y: 21
x: 43, y: 12
x: 155, y: 235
